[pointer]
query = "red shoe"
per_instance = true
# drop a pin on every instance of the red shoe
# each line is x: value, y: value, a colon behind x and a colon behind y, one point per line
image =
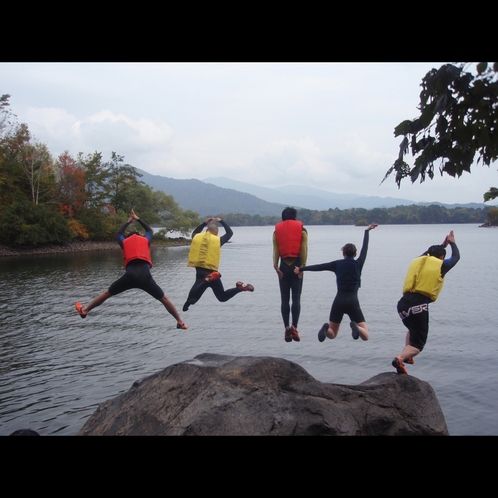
x: 410, y: 361
x: 244, y: 287
x: 79, y: 307
x: 295, y: 335
x: 181, y: 325
x: 399, y: 366
x: 212, y: 277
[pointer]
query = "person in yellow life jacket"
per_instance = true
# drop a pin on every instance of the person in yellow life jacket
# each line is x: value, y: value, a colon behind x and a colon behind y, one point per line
x: 137, y: 262
x: 290, y: 246
x: 423, y: 283
x: 204, y: 256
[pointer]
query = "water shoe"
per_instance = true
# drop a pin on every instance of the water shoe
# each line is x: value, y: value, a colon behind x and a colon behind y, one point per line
x: 288, y: 334
x: 399, y: 366
x: 355, y: 331
x: 294, y: 333
x: 79, y: 307
x: 322, y: 332
x: 212, y: 276
x: 181, y: 325
x: 244, y: 287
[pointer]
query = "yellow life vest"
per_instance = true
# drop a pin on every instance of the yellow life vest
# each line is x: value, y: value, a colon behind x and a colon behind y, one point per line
x: 205, y: 251
x: 424, y: 277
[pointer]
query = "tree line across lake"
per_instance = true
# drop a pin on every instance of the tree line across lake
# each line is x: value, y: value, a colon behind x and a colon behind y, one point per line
x: 399, y: 215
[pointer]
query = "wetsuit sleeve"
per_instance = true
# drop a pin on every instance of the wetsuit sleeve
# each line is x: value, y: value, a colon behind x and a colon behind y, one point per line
x: 276, y: 253
x: 331, y: 266
x: 449, y: 263
x: 199, y: 229
x: 119, y: 236
x: 304, y: 248
x: 364, y: 249
x: 228, y: 233
x: 147, y: 228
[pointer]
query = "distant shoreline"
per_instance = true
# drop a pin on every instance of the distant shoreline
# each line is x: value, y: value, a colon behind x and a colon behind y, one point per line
x: 6, y: 251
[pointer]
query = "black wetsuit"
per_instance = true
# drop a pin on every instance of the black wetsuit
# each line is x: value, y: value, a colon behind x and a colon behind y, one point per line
x: 413, y: 308
x: 200, y: 285
x: 137, y: 275
x: 348, y: 277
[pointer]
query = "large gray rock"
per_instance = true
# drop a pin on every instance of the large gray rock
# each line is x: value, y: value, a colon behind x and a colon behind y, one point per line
x: 228, y: 395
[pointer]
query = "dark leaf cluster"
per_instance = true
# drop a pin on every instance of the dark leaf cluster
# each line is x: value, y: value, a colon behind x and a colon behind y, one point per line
x: 457, y: 126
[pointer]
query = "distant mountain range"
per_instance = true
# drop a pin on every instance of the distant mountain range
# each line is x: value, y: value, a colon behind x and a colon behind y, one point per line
x: 213, y: 196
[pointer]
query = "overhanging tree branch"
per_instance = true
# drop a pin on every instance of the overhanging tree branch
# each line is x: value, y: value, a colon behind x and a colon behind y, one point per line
x: 457, y: 126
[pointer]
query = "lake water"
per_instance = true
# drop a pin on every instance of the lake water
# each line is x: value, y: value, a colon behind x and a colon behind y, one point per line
x: 55, y: 368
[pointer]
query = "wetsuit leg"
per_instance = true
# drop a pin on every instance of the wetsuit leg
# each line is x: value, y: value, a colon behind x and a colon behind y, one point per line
x: 290, y: 287
x: 199, y: 287
x: 297, y: 286
x: 221, y: 294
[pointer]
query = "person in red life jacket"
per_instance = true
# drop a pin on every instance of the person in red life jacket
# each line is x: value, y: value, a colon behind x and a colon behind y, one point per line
x: 204, y: 256
x: 348, y: 278
x: 137, y: 263
x: 290, y: 246
x: 423, y: 283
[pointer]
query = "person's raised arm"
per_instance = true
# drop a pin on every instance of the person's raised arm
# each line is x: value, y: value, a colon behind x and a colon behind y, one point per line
x: 228, y: 231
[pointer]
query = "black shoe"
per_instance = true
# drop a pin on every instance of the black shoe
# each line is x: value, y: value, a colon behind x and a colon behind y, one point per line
x: 355, y: 331
x: 322, y: 332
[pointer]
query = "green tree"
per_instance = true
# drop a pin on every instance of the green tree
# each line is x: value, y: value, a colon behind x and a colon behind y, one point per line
x: 172, y: 217
x: 458, y: 123
x: 25, y: 224
x: 492, y: 216
x: 120, y: 177
x: 96, y: 176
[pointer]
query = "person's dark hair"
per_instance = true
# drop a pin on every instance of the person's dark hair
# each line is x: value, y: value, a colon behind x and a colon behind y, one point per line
x: 134, y: 232
x: 349, y: 250
x: 289, y: 213
x: 437, y: 251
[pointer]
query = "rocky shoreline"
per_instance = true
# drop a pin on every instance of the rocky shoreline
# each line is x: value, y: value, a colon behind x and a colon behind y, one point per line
x: 6, y: 251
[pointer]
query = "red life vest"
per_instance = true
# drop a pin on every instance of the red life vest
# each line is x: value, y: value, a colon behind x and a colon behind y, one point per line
x: 136, y: 247
x: 289, y: 234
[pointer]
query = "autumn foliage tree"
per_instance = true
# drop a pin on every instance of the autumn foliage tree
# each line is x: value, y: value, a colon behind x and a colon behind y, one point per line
x: 457, y: 125
x: 44, y: 201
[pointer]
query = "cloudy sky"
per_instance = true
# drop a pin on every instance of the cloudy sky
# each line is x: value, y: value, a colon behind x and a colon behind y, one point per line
x: 323, y: 125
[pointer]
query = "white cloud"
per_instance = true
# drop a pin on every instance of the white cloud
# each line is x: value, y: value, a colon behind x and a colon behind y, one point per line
x: 324, y: 125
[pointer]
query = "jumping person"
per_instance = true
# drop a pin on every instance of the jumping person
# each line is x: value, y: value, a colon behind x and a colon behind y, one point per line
x: 423, y: 283
x: 204, y: 256
x: 290, y: 245
x: 137, y: 263
x: 348, y: 277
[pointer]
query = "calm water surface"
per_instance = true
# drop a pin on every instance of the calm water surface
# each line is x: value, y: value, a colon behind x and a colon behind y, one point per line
x: 55, y: 368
